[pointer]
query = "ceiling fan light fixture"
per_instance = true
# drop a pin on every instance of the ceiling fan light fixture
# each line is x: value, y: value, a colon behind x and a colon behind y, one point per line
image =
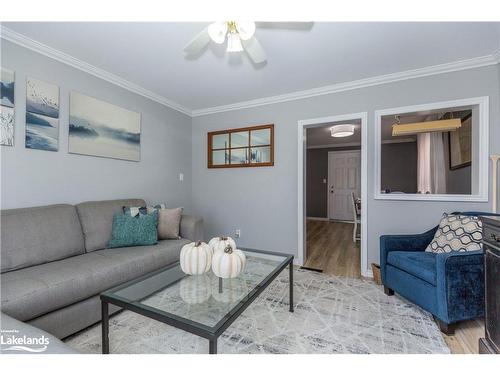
x: 343, y: 130
x: 234, y: 43
x: 246, y: 29
x: 217, y: 31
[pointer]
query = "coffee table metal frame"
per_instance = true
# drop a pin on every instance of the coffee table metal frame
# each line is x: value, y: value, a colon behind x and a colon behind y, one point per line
x: 202, y: 330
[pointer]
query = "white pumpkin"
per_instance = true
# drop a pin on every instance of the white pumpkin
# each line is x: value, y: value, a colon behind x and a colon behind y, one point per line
x: 196, y: 258
x: 232, y: 291
x: 228, y: 263
x: 195, y: 289
x: 220, y: 243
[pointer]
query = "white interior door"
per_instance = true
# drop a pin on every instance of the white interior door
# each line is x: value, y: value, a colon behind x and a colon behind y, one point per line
x: 344, y: 178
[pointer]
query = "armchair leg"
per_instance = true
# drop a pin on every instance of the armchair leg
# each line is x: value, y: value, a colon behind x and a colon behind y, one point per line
x: 447, y: 329
x: 388, y: 291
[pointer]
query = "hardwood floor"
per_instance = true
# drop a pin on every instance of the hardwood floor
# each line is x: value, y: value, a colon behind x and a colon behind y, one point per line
x: 330, y: 248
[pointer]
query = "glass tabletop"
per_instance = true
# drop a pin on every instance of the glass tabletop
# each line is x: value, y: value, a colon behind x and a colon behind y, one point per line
x: 203, y: 300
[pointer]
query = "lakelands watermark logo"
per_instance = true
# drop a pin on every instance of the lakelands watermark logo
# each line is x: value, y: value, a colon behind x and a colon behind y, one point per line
x: 12, y: 341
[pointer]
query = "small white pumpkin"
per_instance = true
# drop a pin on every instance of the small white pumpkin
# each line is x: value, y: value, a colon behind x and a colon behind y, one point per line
x: 232, y: 291
x: 228, y: 263
x: 220, y: 243
x: 195, y: 289
x: 196, y: 258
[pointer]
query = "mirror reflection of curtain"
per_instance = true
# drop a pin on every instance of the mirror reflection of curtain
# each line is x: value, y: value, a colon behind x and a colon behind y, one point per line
x: 431, y: 165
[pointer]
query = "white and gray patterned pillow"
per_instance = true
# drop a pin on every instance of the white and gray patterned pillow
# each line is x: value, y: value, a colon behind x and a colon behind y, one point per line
x: 457, y: 233
x: 137, y: 211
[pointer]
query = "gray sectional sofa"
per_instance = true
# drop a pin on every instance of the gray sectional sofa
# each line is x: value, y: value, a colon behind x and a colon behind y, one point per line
x: 54, y: 262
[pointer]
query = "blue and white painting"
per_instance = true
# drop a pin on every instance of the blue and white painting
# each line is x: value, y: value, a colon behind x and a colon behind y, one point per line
x: 42, y: 132
x: 6, y: 88
x: 98, y: 128
x: 6, y: 126
x: 42, y: 98
x: 42, y: 115
x: 6, y: 107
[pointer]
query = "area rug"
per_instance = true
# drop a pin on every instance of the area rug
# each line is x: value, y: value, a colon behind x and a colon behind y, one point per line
x: 332, y: 315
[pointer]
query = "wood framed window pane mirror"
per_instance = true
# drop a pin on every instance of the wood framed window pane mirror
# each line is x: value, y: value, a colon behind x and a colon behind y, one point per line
x: 241, y: 147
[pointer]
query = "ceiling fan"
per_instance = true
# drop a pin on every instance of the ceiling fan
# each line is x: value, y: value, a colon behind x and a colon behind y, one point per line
x: 240, y: 36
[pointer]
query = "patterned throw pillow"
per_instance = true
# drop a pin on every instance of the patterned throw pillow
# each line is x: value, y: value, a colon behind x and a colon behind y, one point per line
x: 134, y: 231
x: 457, y: 233
x: 137, y: 211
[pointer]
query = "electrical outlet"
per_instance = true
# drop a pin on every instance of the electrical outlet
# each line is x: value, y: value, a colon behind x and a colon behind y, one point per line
x: 237, y: 233
x: 181, y: 176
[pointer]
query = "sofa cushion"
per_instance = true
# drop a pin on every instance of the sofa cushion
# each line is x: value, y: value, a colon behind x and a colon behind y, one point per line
x: 417, y: 263
x: 37, y: 235
x: 34, y: 291
x: 97, y: 220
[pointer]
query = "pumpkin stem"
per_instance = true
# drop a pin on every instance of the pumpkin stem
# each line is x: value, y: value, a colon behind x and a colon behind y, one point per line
x: 228, y: 249
x: 198, y: 244
x: 223, y: 238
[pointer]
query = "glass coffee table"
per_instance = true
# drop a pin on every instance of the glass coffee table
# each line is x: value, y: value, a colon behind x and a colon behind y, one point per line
x: 203, y: 305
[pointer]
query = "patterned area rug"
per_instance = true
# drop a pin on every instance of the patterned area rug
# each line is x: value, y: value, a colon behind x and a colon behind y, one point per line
x: 332, y: 315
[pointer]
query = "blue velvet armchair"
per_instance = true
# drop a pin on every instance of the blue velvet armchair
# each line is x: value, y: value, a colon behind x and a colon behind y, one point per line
x: 448, y: 285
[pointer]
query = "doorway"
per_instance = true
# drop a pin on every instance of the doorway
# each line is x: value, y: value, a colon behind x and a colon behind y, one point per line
x: 332, y: 181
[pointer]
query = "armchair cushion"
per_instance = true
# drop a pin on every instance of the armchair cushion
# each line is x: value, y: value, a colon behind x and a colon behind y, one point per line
x: 417, y: 263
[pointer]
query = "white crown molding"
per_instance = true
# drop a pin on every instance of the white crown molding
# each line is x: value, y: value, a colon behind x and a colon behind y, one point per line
x: 475, y: 62
x: 15, y: 37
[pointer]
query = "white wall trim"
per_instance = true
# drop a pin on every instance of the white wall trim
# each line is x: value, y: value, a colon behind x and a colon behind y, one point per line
x: 302, y: 154
x: 475, y: 62
x: 19, y: 39
x: 484, y: 118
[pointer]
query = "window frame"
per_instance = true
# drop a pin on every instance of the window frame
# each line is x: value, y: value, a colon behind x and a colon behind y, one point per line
x: 249, y: 147
x: 483, y: 151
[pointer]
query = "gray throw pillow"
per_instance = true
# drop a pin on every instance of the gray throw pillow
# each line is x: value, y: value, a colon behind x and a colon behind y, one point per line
x: 457, y: 233
x: 169, y: 221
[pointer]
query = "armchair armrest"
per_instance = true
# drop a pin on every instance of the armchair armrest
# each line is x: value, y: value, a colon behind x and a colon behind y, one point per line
x: 460, y: 285
x: 409, y: 242
x: 191, y: 228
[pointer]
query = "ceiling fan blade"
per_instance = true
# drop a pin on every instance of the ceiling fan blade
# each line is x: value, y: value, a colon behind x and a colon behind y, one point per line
x: 254, y: 50
x: 198, y: 42
x: 285, y: 25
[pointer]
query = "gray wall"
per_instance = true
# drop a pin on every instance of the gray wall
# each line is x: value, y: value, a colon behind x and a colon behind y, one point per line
x: 262, y: 202
x: 34, y: 177
x: 399, y: 167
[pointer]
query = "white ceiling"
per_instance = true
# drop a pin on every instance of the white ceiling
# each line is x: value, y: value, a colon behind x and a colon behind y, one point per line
x: 150, y: 55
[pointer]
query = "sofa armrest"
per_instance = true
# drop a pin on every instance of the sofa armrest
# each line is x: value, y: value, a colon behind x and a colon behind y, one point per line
x: 191, y: 228
x: 460, y: 285
x: 408, y: 242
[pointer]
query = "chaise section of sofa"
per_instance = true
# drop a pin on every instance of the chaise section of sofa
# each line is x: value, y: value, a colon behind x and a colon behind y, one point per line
x: 52, y: 276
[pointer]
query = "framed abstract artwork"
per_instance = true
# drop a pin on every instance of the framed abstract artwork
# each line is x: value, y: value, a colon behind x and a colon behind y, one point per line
x: 98, y: 128
x: 42, y: 115
x: 460, y: 143
x: 6, y: 107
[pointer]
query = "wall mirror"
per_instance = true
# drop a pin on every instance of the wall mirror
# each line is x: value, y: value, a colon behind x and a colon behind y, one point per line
x: 436, y: 151
x: 251, y: 146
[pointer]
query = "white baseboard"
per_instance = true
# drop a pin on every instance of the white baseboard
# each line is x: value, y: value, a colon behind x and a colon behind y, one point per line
x: 317, y: 218
x: 368, y: 273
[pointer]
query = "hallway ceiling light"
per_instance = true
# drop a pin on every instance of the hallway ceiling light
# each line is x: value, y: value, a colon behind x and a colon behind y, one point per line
x: 344, y: 130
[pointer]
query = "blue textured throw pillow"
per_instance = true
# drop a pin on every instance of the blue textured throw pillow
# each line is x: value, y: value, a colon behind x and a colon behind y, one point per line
x: 134, y: 231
